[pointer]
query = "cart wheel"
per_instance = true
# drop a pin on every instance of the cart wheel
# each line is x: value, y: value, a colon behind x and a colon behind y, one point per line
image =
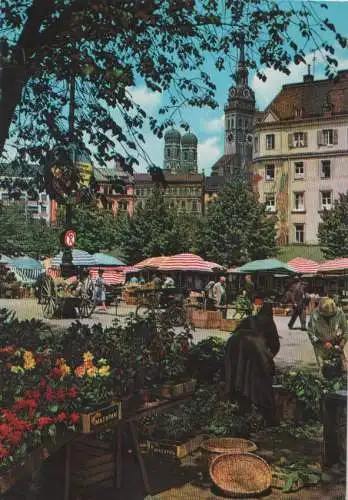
x: 87, y: 304
x: 49, y: 300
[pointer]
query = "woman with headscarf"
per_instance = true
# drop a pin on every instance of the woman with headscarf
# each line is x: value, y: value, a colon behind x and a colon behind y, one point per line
x: 327, y: 331
x: 249, y: 365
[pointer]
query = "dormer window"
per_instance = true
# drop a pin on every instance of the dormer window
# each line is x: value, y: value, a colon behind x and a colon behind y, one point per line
x: 299, y: 112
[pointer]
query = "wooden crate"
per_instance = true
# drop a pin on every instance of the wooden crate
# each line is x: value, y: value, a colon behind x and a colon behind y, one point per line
x: 287, y: 405
x: 92, y: 465
x: 228, y: 325
x: 205, y: 319
x: 96, y: 420
x: 172, y: 449
x: 179, y: 389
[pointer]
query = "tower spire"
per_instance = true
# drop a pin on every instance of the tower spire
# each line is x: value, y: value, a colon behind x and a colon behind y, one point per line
x: 242, y: 71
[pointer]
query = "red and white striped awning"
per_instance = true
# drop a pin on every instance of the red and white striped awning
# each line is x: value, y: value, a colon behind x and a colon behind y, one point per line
x: 186, y: 262
x: 304, y: 266
x: 340, y: 264
x: 151, y: 262
x: 111, y: 275
x: 216, y: 266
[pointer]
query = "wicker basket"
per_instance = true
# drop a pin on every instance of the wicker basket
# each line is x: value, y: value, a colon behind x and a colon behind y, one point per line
x: 241, y: 475
x: 213, y: 447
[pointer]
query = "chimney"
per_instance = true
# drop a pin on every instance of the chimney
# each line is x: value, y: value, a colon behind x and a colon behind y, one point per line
x: 308, y: 78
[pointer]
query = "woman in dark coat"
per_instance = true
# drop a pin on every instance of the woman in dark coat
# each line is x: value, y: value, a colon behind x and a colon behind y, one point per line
x: 249, y: 366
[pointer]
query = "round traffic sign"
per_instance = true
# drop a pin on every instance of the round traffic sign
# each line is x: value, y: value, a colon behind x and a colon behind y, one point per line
x: 70, y: 238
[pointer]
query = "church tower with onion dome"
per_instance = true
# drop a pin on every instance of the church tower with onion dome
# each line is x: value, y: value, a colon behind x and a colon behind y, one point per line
x: 239, y: 115
x: 189, y: 144
x: 172, y: 151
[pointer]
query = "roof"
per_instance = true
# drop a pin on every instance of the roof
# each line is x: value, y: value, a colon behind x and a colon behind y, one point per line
x: 310, y: 97
x: 170, y: 178
x: 172, y: 133
x: 311, y: 252
x: 215, y: 183
x: 227, y: 161
x: 189, y: 139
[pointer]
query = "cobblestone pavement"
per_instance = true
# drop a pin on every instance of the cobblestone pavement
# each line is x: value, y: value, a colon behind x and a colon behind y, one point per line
x: 295, y: 351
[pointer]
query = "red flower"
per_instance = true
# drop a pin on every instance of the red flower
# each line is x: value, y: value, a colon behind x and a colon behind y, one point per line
x: 56, y: 373
x: 49, y: 393
x: 15, y: 437
x: 61, y: 417
x: 44, y: 421
x: 3, y: 451
x: 60, y: 394
x: 72, y: 393
x: 43, y: 383
x: 33, y: 394
x: 74, y: 418
x: 8, y: 349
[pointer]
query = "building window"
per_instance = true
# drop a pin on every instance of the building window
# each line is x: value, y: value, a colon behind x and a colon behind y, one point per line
x: 232, y: 122
x: 194, y: 206
x: 239, y: 122
x: 299, y: 202
x: 325, y: 172
x: 270, y: 202
x: 299, y: 140
x: 183, y: 204
x: 270, y: 141
x: 185, y: 155
x: 327, y: 137
x: 299, y: 233
x: 299, y: 170
x: 256, y: 144
x: 269, y: 172
x: 168, y: 152
x: 326, y: 200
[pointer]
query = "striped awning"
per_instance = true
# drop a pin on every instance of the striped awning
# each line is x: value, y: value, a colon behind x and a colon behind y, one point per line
x: 113, y: 275
x: 216, y: 266
x: 151, y: 262
x: 340, y: 264
x: 186, y: 262
x: 304, y: 266
x: 80, y: 258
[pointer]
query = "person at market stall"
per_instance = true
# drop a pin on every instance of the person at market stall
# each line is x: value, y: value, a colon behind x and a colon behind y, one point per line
x: 249, y: 287
x: 133, y: 280
x: 141, y: 280
x: 169, y: 282
x: 219, y: 295
x: 209, y: 296
x: 249, y: 365
x: 99, y: 290
x: 328, y: 333
x: 297, y: 297
x: 157, y: 282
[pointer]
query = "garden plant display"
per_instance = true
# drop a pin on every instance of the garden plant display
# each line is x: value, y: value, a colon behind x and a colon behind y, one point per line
x: 48, y: 381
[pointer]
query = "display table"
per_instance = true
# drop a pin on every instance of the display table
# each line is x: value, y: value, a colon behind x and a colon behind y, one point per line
x: 34, y: 460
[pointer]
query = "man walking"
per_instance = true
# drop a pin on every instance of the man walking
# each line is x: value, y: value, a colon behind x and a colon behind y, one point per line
x: 219, y: 294
x: 296, y: 295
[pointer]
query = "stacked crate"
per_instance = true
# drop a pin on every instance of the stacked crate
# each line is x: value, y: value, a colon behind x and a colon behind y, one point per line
x: 92, y: 465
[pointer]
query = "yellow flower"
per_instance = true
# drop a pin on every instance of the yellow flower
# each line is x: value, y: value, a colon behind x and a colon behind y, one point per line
x: 104, y: 371
x: 88, y: 357
x: 92, y: 371
x: 16, y: 369
x: 102, y: 361
x: 63, y: 367
x: 29, y: 360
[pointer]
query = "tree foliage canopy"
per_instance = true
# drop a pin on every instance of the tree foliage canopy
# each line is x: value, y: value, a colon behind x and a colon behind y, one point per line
x: 155, y: 229
x: 110, y: 45
x: 21, y: 234
x: 237, y: 228
x: 333, y: 230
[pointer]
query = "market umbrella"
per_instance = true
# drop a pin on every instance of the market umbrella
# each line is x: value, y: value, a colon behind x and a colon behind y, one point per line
x: 26, y: 269
x: 151, y: 262
x: 4, y: 259
x: 214, y: 265
x: 101, y: 259
x: 79, y: 258
x: 112, y: 275
x: 340, y: 264
x: 186, y: 262
x: 304, y: 266
x: 267, y: 265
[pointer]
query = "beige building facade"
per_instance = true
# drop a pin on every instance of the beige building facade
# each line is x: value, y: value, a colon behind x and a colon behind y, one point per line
x: 300, y: 155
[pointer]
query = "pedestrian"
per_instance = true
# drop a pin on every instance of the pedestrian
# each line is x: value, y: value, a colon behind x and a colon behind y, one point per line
x: 209, y: 296
x: 249, y: 364
x: 297, y: 297
x: 133, y: 280
x: 99, y: 290
x: 327, y: 331
x: 219, y: 294
x: 157, y: 282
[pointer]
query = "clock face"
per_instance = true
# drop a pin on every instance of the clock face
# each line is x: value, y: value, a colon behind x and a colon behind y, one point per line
x: 232, y: 92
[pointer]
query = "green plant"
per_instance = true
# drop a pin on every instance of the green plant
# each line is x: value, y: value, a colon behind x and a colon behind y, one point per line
x: 206, y: 358
x: 296, y: 475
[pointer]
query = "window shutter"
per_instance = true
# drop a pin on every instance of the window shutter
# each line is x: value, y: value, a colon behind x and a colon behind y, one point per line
x: 305, y: 138
x: 290, y: 141
x: 320, y: 138
x: 335, y: 136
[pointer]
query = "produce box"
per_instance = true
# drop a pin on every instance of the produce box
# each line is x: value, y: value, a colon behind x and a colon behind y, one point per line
x: 172, y: 449
x: 228, y: 325
x: 172, y: 390
x: 96, y: 420
x: 205, y: 319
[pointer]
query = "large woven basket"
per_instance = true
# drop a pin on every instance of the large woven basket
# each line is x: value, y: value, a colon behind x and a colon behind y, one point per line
x: 241, y: 475
x: 213, y: 447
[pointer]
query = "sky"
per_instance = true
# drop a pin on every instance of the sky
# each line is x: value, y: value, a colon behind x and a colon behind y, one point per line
x: 208, y: 124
